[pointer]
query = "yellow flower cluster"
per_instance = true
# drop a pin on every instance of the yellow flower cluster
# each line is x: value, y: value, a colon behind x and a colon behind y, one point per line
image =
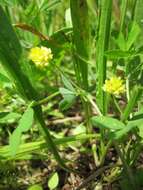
x: 40, y: 56
x: 114, y: 86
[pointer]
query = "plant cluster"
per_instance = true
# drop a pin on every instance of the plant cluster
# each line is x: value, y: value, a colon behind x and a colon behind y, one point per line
x: 77, y: 62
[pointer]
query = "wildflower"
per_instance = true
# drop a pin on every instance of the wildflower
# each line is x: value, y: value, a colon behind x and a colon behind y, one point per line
x: 40, y: 56
x: 114, y: 86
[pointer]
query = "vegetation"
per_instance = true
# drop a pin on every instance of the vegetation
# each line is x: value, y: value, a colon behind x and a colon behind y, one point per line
x: 71, y: 75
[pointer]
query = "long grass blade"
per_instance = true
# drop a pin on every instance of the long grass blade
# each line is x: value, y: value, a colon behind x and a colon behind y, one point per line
x: 102, y: 46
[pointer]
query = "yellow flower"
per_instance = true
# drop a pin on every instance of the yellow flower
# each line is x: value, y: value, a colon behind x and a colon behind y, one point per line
x: 114, y: 86
x: 40, y: 56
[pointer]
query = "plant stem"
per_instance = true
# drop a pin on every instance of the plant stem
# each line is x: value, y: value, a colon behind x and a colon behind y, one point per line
x: 117, y: 105
x: 45, y: 100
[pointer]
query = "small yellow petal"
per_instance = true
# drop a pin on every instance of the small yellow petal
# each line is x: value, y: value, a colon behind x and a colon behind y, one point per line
x: 41, y: 56
x: 114, y: 86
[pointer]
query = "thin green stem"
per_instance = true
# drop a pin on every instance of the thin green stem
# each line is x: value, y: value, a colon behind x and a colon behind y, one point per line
x: 45, y: 100
x: 117, y: 105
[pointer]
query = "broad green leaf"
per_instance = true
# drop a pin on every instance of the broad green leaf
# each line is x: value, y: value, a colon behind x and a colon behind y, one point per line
x: 69, y: 99
x: 26, y: 121
x: 24, y: 125
x: 67, y: 84
x: 35, y: 187
x: 14, y: 141
x: 66, y: 92
x: 67, y: 102
x: 6, y: 117
x: 53, y: 181
x: 107, y: 122
x: 59, y: 42
x: 132, y: 36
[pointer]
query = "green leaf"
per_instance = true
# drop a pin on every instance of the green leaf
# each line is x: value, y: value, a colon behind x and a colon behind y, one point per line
x: 120, y: 133
x: 14, y: 141
x: 67, y: 102
x: 118, y: 54
x: 6, y: 117
x: 121, y: 42
x: 26, y: 121
x: 137, y: 121
x: 66, y: 92
x: 24, y: 125
x: 67, y: 83
x: 69, y: 99
x: 8, y: 39
x: 53, y: 181
x: 35, y: 187
x: 50, y: 5
x: 132, y: 36
x: 107, y: 122
x: 3, y: 78
x: 138, y: 18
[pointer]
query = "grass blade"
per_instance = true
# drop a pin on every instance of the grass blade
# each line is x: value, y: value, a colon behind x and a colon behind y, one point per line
x: 102, y: 46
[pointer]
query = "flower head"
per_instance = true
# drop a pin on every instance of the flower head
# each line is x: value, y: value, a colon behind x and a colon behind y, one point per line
x: 40, y: 56
x: 114, y: 86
